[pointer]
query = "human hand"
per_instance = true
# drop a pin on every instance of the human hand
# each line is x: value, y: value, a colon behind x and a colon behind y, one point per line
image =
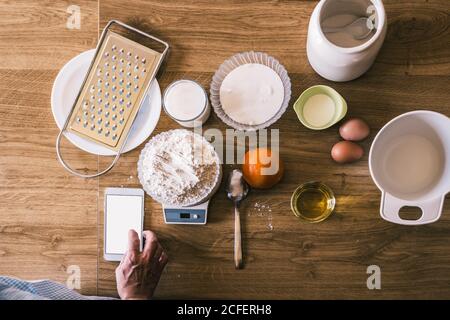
x: 138, y: 273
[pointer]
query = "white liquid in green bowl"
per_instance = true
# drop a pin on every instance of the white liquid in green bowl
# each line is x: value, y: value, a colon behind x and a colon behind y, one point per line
x: 319, y: 110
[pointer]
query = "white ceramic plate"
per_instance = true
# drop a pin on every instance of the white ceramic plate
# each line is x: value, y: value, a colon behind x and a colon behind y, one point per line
x: 65, y: 90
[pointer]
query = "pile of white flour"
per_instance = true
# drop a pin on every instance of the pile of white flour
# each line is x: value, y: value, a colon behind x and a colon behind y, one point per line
x: 179, y: 167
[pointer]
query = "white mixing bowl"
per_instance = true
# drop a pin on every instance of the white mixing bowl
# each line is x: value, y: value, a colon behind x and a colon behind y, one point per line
x: 409, y: 162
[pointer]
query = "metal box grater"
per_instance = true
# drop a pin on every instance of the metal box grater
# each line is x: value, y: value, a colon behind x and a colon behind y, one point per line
x: 113, y: 89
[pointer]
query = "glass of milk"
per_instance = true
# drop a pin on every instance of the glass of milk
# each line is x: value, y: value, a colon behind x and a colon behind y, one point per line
x: 186, y: 102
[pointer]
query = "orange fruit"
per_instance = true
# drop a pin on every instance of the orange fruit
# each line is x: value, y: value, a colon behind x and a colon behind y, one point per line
x: 260, y: 169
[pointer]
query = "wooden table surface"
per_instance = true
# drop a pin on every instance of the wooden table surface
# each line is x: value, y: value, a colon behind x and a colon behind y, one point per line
x: 50, y: 220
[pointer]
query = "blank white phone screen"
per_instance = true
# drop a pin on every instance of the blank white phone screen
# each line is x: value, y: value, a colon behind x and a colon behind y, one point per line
x: 123, y: 213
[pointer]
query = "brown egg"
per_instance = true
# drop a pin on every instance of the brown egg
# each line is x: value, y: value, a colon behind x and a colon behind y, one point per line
x: 346, y: 152
x: 354, y: 130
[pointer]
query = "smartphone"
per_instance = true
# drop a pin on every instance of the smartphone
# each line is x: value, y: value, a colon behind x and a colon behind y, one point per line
x: 124, y: 210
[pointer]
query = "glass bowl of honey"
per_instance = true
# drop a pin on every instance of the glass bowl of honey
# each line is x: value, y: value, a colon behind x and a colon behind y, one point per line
x: 313, y: 202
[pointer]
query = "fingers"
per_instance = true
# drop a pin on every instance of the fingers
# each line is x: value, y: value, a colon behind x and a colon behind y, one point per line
x: 163, y: 259
x: 153, y: 252
x: 151, y: 245
x: 158, y: 252
x: 133, y: 245
x: 160, y: 259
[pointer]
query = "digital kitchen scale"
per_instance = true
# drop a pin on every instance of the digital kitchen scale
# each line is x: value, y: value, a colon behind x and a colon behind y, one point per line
x: 193, y: 213
x: 186, y: 215
x: 196, y: 214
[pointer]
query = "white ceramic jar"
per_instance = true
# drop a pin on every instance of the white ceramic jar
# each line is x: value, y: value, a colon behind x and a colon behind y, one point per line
x: 342, y: 63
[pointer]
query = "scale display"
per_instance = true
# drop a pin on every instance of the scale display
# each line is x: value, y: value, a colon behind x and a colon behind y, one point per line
x: 186, y: 215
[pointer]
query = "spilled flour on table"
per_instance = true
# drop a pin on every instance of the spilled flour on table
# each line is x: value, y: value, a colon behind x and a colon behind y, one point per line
x: 263, y: 210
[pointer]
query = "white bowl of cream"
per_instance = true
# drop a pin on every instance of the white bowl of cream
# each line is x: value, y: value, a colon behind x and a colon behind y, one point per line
x: 250, y: 91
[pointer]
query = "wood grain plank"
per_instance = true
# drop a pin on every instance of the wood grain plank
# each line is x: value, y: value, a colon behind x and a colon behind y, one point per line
x: 417, y: 39
x: 48, y: 219
x: 295, y: 260
x: 285, y: 258
x: 44, y: 40
x: 202, y: 34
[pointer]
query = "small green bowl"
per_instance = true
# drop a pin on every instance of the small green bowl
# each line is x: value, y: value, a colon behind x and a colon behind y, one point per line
x: 339, y: 103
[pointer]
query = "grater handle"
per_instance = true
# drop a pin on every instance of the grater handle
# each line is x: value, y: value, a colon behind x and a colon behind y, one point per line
x: 77, y: 173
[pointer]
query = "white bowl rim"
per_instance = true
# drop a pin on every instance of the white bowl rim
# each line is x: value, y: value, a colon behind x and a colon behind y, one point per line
x: 212, y: 189
x: 236, y: 61
x: 389, y: 124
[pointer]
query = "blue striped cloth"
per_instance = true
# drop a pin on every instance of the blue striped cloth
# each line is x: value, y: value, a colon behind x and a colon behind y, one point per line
x: 16, y: 289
